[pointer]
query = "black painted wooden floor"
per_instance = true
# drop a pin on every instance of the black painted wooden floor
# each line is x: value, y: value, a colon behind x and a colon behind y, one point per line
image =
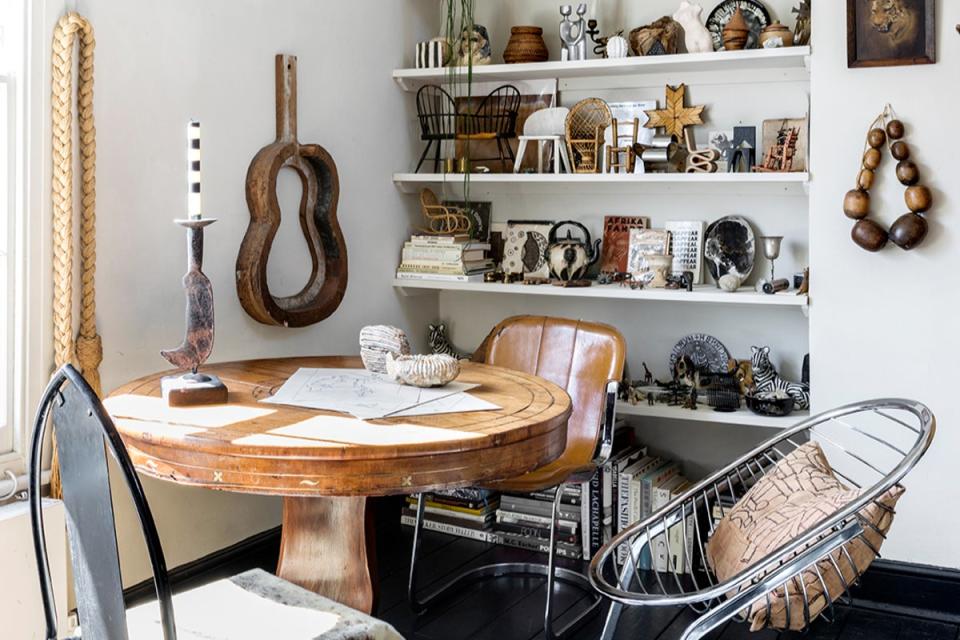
x: 512, y: 608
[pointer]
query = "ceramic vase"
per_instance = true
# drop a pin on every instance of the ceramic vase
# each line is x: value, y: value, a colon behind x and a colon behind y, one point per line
x: 774, y: 32
x: 736, y: 33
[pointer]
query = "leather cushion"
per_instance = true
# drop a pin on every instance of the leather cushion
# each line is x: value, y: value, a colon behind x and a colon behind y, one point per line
x: 797, y: 494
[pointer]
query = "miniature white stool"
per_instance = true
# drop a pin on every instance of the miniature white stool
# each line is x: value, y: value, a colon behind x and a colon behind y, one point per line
x: 545, y: 126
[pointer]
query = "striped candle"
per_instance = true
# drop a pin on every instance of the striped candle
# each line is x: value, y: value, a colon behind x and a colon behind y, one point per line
x: 193, y: 170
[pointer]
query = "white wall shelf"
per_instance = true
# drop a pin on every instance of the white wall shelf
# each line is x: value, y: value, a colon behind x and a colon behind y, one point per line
x: 700, y: 293
x: 742, y: 416
x: 737, y: 63
x: 790, y: 184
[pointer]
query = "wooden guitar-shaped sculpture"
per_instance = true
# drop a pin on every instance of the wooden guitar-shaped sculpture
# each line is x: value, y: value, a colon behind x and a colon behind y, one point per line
x: 318, y: 219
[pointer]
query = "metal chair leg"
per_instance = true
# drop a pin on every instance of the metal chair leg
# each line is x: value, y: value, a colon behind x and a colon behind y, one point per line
x: 423, y: 156
x: 550, y: 571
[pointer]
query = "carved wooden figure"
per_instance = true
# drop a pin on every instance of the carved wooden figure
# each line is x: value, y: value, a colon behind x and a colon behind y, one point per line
x: 318, y: 218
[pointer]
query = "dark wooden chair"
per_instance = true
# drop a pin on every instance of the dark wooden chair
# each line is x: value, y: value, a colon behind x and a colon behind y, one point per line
x: 495, y: 119
x: 587, y: 360
x: 251, y: 605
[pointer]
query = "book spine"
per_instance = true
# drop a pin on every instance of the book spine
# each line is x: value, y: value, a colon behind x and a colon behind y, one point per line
x: 661, y: 560
x: 445, y: 255
x: 623, y: 513
x: 511, y: 517
x: 441, y: 527
x: 533, y: 532
x: 586, y: 529
x: 596, y: 513
x: 534, y: 544
x: 444, y: 277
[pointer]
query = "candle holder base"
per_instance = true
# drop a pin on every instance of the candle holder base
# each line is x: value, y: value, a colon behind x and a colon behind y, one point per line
x: 191, y: 389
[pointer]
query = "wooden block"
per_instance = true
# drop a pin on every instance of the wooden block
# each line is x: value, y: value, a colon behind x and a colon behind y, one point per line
x: 192, y: 389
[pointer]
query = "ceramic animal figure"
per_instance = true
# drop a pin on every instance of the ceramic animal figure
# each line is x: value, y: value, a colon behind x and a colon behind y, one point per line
x: 697, y: 37
x: 742, y: 371
x: 573, y: 33
x: 439, y: 343
x: 766, y: 378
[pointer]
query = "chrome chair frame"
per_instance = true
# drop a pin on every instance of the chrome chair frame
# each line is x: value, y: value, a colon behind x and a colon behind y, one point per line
x: 552, y: 573
x: 717, y: 601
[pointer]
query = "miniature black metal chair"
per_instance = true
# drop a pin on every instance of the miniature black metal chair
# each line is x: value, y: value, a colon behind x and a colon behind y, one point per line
x: 216, y: 611
x: 495, y: 119
x: 586, y: 359
x: 870, y: 445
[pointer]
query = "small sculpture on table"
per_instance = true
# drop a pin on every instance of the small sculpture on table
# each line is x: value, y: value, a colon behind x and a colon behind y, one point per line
x: 194, y: 387
x: 573, y: 33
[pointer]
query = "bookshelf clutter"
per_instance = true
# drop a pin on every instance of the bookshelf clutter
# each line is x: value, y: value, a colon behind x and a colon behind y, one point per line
x: 455, y: 258
x: 631, y: 486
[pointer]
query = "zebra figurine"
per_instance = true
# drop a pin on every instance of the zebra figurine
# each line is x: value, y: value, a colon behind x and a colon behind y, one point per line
x: 766, y: 378
x: 437, y: 338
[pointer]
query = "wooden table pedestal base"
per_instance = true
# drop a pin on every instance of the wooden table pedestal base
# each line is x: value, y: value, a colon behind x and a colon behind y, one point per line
x: 328, y: 547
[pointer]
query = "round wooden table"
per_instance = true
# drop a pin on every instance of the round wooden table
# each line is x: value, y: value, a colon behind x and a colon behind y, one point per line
x: 325, y: 464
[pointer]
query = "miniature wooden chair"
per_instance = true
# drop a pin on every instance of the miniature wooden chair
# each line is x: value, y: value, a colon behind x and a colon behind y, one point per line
x: 585, y: 126
x: 442, y: 219
x: 545, y: 127
x: 612, y: 163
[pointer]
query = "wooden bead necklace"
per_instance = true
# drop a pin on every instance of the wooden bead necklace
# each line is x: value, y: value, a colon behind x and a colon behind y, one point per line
x: 910, y: 229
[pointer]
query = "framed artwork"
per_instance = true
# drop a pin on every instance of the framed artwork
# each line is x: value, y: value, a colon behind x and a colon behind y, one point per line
x: 722, y: 142
x: 686, y: 246
x: 616, y: 241
x: 479, y: 214
x: 885, y: 33
x: 524, y: 246
x: 643, y: 243
x: 775, y: 132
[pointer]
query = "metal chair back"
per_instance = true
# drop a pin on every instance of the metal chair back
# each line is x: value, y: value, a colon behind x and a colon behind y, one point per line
x: 82, y: 429
x: 497, y: 113
x: 870, y: 445
x: 437, y: 113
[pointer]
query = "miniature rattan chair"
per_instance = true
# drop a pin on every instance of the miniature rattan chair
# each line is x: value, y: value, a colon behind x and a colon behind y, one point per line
x: 586, y: 124
x: 871, y: 446
x: 442, y: 219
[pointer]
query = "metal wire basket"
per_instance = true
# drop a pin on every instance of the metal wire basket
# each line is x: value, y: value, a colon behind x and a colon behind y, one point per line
x: 870, y: 445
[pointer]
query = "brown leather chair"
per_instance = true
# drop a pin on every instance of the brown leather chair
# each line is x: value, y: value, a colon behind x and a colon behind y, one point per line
x: 586, y: 359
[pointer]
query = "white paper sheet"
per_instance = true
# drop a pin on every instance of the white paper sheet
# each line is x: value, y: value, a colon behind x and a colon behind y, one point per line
x: 457, y: 403
x: 357, y: 392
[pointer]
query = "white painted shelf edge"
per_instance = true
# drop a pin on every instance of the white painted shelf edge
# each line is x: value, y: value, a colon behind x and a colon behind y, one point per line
x: 794, y: 178
x: 733, y: 61
x: 700, y: 293
x: 742, y: 416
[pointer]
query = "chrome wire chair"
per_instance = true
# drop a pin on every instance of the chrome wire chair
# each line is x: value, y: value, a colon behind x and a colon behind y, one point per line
x: 870, y: 445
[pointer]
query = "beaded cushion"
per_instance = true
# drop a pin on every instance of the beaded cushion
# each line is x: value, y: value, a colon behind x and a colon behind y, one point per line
x: 255, y: 605
x: 797, y: 494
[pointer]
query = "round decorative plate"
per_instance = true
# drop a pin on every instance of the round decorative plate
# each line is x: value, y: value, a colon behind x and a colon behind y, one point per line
x: 706, y: 352
x: 754, y: 13
x: 729, y: 247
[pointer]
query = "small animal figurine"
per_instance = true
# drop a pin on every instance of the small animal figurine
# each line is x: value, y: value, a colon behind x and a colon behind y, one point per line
x: 696, y: 36
x: 647, y: 375
x: 439, y: 343
x: 766, y: 378
x: 742, y: 371
x: 573, y: 33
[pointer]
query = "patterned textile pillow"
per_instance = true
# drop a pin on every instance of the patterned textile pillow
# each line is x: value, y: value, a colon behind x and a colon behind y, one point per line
x: 797, y: 494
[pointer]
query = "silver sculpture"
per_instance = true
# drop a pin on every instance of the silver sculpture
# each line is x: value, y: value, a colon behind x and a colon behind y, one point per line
x: 573, y: 33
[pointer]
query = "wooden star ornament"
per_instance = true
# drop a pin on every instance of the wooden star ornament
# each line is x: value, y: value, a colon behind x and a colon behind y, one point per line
x: 675, y: 117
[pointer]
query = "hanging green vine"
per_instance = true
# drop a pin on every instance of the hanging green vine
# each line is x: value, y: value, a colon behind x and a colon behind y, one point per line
x: 459, y: 28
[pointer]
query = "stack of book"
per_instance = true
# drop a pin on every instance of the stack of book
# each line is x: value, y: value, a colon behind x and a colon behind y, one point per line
x: 451, y: 258
x: 523, y: 520
x: 467, y: 513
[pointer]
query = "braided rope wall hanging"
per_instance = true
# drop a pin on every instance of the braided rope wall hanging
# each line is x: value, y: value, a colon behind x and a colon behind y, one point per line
x: 85, y: 351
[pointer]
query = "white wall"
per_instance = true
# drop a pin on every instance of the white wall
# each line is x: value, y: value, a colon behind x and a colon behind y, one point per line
x: 159, y: 64
x: 886, y: 324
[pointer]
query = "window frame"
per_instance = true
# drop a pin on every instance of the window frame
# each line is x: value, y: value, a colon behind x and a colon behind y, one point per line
x: 30, y: 330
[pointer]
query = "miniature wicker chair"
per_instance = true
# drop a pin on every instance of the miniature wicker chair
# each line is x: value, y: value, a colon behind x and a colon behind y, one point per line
x: 586, y: 124
x: 871, y: 446
x: 440, y: 218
